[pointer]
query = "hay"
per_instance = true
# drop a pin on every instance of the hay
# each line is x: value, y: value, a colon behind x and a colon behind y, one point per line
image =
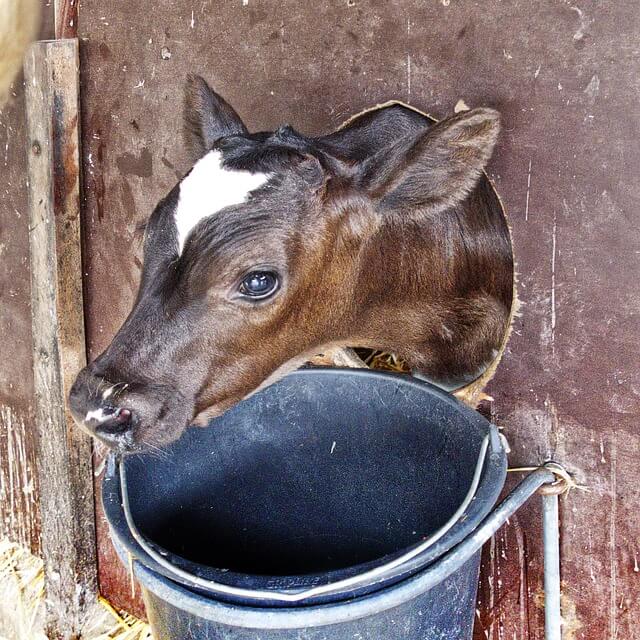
x: 384, y: 361
x: 19, y: 21
x: 21, y: 594
x: 22, y: 604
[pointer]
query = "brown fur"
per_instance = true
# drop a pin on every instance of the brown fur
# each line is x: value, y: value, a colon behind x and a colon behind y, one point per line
x: 385, y: 234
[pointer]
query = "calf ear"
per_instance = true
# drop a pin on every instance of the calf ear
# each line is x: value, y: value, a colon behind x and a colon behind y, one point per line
x: 208, y: 116
x: 435, y: 168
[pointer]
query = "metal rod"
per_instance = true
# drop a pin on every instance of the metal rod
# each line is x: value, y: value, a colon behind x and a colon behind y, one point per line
x: 353, y: 609
x: 551, y: 537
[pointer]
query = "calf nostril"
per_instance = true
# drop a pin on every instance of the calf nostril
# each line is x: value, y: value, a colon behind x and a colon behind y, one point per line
x: 123, y: 416
x: 117, y: 422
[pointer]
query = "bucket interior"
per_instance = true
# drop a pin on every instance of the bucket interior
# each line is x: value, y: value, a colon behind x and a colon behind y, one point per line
x: 322, y: 471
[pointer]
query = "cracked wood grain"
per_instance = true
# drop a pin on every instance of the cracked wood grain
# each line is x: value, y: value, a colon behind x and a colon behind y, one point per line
x: 63, y: 453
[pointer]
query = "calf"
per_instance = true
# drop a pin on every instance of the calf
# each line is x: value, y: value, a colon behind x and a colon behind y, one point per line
x: 277, y: 246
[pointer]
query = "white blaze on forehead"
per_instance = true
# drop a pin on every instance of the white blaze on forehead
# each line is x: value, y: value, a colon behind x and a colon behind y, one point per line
x: 209, y: 188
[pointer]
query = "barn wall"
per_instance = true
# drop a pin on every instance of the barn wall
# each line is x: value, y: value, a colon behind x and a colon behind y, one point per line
x: 564, y: 76
x: 19, y: 517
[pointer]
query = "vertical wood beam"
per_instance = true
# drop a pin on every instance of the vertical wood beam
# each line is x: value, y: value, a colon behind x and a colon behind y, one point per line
x: 66, y: 18
x: 63, y: 452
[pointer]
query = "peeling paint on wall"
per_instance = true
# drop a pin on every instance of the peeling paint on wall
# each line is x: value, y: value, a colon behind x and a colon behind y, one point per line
x: 18, y: 490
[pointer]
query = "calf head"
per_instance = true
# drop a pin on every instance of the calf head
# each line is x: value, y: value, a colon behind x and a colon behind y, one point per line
x: 276, y: 246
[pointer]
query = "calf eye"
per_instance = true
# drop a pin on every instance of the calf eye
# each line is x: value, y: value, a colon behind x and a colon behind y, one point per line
x: 259, y: 284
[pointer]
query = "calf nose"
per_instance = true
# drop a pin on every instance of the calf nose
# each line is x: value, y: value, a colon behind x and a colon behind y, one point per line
x: 94, y: 406
x: 110, y: 421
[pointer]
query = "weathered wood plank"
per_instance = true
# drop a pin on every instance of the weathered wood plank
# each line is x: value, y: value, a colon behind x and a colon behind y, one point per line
x: 19, y: 496
x: 66, y: 18
x: 63, y: 453
x: 19, y: 517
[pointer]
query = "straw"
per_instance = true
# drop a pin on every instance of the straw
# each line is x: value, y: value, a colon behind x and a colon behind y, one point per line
x: 22, y: 593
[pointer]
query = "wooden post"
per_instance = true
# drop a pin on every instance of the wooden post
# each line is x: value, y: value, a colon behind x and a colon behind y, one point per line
x: 63, y: 452
x: 66, y: 18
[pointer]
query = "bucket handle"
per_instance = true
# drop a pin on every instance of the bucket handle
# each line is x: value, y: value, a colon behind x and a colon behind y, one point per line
x: 294, y: 618
x: 549, y: 479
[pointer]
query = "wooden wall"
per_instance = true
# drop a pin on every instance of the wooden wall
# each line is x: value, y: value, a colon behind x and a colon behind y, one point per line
x: 19, y: 513
x: 565, y: 76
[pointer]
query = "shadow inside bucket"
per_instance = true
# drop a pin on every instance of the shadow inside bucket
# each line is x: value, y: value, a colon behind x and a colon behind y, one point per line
x: 316, y: 474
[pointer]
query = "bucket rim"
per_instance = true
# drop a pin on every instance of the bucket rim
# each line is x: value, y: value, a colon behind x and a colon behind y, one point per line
x: 488, y: 477
x: 251, y: 617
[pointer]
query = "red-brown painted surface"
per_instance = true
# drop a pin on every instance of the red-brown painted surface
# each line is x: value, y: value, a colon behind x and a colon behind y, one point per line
x: 66, y: 23
x: 564, y: 76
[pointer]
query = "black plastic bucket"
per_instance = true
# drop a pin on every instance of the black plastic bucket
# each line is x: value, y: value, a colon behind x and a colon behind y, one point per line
x: 331, y: 505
